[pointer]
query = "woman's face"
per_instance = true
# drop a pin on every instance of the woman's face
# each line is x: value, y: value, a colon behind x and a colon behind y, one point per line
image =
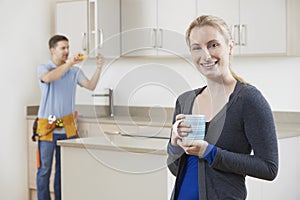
x: 210, y: 52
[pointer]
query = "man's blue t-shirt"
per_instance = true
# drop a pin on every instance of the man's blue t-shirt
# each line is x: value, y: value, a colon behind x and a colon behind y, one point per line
x: 58, y: 97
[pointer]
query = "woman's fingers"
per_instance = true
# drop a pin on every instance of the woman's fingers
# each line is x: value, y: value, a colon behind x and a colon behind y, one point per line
x: 179, y: 117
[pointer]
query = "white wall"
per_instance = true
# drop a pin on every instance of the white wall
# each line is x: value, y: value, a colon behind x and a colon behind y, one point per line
x: 25, y: 29
x: 276, y: 77
x: 142, y: 81
x: 157, y: 82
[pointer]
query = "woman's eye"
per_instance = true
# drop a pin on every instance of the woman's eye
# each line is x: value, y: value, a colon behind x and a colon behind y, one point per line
x: 196, y: 48
x: 213, y: 45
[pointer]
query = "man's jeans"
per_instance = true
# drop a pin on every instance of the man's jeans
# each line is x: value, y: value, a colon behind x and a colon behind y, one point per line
x: 47, y: 150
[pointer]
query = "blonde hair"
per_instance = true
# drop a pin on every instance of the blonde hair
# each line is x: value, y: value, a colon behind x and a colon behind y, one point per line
x: 218, y: 23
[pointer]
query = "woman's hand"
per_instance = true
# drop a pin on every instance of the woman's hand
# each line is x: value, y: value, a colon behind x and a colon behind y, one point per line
x: 193, y: 147
x: 180, y: 130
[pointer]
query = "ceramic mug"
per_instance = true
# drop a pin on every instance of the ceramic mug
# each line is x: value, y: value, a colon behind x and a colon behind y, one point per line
x: 197, y: 123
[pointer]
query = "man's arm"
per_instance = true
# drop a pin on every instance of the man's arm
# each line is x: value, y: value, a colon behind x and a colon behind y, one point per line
x: 59, y: 71
x: 91, y: 84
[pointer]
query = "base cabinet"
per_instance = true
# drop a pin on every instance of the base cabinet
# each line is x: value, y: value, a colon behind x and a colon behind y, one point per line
x: 285, y: 186
x: 102, y: 174
x: 88, y: 129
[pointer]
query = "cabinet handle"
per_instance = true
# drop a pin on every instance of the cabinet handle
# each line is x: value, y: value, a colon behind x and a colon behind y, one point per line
x: 84, y: 41
x: 236, y: 36
x: 154, y: 37
x: 243, y: 34
x: 112, y: 132
x: 160, y: 38
x: 100, y: 37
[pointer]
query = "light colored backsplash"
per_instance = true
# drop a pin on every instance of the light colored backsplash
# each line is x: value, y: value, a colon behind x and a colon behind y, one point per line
x: 156, y: 82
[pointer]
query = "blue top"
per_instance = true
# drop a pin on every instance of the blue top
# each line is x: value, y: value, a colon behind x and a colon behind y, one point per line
x: 58, y: 97
x: 189, y: 185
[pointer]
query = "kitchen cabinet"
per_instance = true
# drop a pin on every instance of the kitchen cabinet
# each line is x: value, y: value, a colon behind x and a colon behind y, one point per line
x: 93, y: 26
x: 258, y: 28
x: 83, y: 129
x: 121, y: 127
x: 127, y: 165
x: 285, y: 186
x: 71, y: 21
x: 155, y: 27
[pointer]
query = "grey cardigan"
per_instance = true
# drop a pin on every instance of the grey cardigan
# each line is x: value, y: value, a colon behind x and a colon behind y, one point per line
x: 244, y: 124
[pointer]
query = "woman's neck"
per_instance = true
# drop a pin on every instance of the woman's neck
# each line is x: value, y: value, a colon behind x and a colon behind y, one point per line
x: 221, y: 88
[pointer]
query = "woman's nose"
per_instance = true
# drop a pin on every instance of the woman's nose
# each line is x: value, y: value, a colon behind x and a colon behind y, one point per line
x: 205, y: 54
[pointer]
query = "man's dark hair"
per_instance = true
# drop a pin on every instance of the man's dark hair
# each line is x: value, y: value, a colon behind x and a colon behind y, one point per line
x: 55, y: 39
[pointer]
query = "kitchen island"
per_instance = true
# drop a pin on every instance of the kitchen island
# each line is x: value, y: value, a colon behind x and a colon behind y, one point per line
x: 115, y: 167
x: 107, y: 163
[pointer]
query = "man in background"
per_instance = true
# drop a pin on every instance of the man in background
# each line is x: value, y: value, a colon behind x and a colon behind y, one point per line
x: 58, y: 80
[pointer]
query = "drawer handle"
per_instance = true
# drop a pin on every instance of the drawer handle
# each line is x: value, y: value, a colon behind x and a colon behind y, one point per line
x: 112, y: 132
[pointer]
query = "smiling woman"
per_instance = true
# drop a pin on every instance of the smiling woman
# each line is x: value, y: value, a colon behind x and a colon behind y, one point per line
x: 211, y: 36
x: 238, y: 121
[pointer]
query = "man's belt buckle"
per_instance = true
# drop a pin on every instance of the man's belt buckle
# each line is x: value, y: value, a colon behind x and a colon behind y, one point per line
x: 59, y: 123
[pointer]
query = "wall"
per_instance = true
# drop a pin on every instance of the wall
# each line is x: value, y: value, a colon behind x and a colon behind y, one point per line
x: 142, y: 81
x: 25, y: 29
x: 276, y: 77
x: 157, y: 82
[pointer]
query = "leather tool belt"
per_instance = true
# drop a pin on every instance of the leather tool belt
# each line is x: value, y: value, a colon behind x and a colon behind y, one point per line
x: 45, y: 129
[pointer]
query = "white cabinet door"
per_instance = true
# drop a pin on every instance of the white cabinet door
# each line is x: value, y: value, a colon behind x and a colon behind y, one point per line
x: 139, y: 22
x: 173, y: 18
x: 83, y: 129
x: 266, y: 29
x: 152, y: 27
x: 260, y: 29
x: 93, y: 26
x: 108, y: 24
x: 71, y: 22
x: 227, y: 10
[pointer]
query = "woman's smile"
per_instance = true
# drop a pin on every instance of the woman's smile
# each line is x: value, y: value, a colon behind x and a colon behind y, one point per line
x: 209, y: 65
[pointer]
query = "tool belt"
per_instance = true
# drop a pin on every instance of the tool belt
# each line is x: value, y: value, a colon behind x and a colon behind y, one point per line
x: 44, y: 129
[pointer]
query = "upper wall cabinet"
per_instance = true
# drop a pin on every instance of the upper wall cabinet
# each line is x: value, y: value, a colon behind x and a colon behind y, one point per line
x: 93, y: 26
x: 71, y: 21
x: 155, y: 27
x: 258, y: 28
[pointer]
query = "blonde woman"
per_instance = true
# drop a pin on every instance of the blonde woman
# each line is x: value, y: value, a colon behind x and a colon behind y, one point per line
x: 238, y: 121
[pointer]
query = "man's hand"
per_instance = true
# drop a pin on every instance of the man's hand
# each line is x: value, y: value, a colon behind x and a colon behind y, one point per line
x: 77, y: 58
x: 99, y: 61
